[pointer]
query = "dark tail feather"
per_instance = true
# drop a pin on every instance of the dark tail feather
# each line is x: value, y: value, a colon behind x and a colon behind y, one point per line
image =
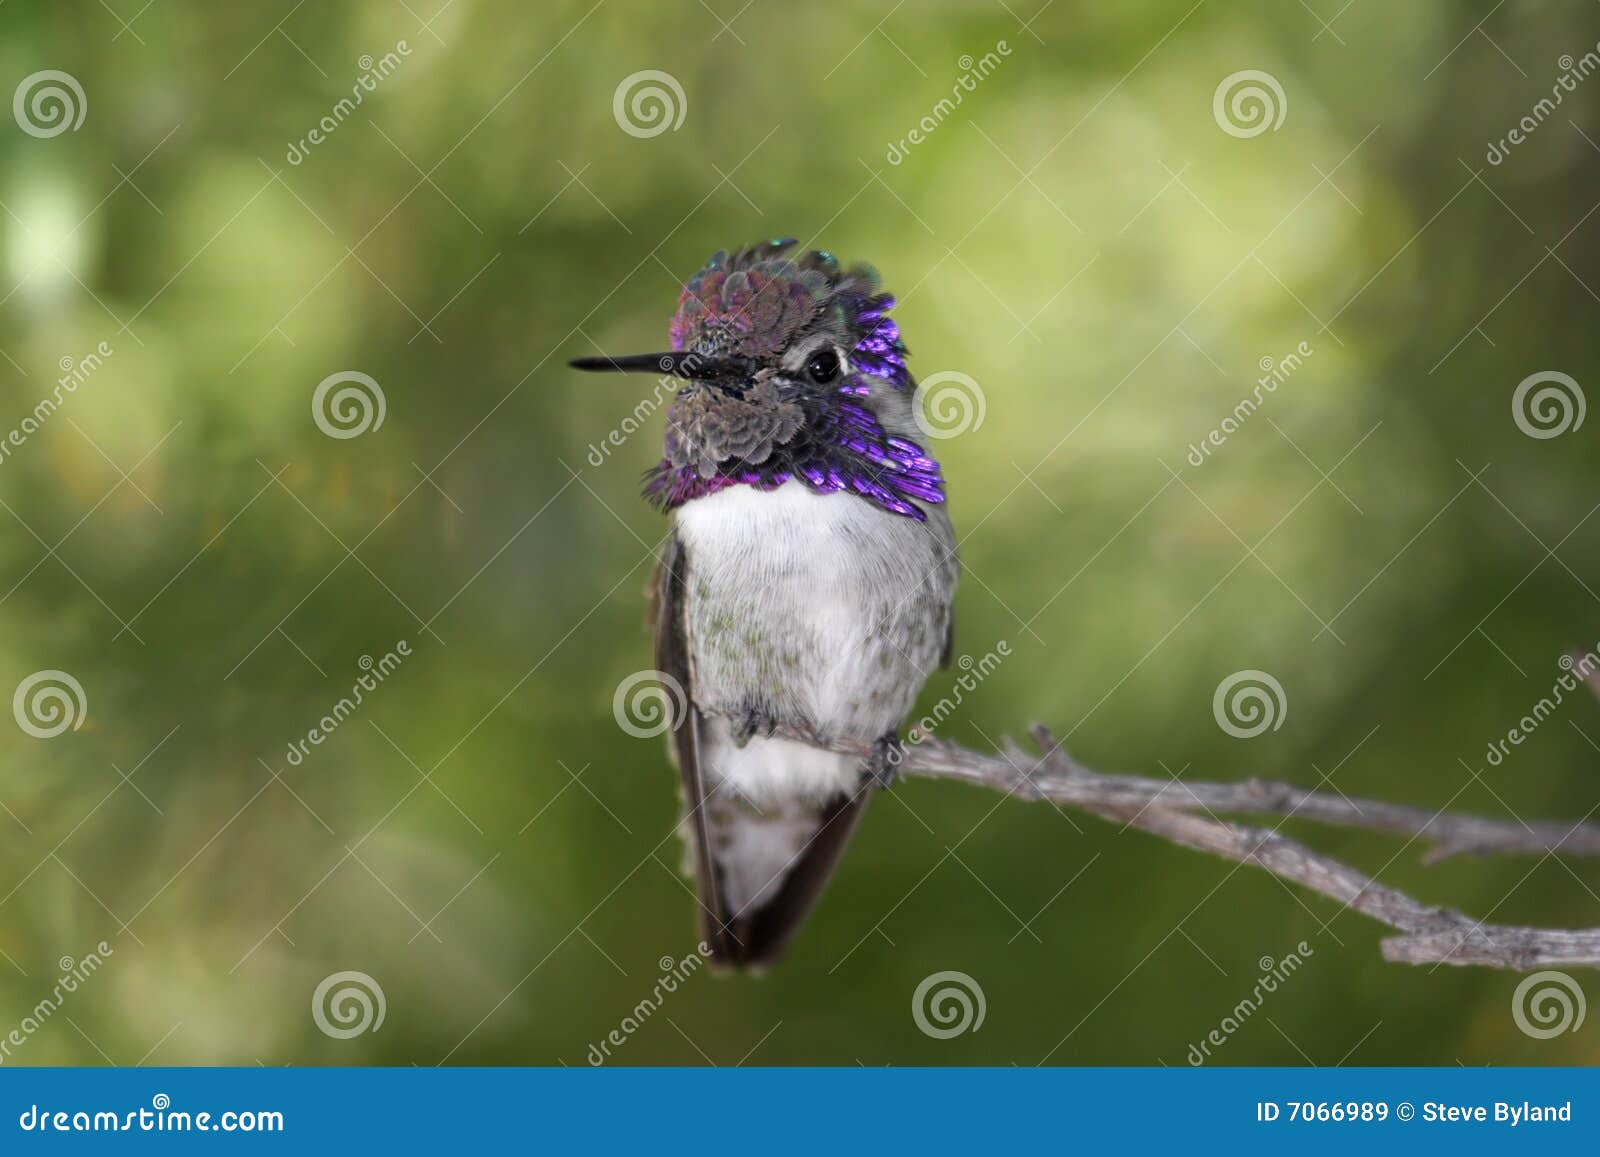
x: 757, y: 938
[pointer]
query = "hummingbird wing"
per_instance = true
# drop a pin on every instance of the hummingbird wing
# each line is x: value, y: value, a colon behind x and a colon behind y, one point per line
x: 731, y: 843
x: 672, y: 659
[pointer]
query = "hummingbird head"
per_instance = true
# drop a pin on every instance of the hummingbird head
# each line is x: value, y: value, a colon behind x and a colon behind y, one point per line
x: 793, y: 371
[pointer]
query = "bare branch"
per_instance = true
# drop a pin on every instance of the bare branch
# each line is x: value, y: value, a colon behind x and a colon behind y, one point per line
x: 1188, y: 814
x: 1058, y: 777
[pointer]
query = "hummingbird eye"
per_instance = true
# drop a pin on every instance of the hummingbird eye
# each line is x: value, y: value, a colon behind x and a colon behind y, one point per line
x: 823, y: 366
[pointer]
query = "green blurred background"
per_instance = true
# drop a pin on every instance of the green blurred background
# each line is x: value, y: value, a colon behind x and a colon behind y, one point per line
x: 1080, y: 236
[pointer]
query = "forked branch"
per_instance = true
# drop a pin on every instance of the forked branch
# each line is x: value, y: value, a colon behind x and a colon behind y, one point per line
x: 1191, y: 813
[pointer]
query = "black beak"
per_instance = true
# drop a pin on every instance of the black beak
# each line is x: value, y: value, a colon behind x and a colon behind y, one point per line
x: 677, y: 365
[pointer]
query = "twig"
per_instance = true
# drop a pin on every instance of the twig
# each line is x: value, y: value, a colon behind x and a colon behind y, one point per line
x: 1058, y: 777
x: 1186, y: 813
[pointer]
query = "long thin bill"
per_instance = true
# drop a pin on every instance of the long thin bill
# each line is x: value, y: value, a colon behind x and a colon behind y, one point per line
x: 675, y: 364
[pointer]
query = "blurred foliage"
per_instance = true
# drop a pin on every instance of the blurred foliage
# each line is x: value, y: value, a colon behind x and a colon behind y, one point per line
x: 1079, y: 236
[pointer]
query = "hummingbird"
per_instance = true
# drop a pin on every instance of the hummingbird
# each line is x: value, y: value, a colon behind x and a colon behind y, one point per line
x: 803, y: 592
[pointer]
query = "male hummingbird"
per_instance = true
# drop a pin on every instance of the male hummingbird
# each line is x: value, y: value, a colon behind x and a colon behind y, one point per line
x: 803, y: 594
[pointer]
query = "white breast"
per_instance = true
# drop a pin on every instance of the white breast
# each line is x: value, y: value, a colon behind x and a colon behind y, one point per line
x: 808, y: 604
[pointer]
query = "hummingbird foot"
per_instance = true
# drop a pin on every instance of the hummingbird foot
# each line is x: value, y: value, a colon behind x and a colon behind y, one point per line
x: 753, y: 721
x: 883, y: 762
